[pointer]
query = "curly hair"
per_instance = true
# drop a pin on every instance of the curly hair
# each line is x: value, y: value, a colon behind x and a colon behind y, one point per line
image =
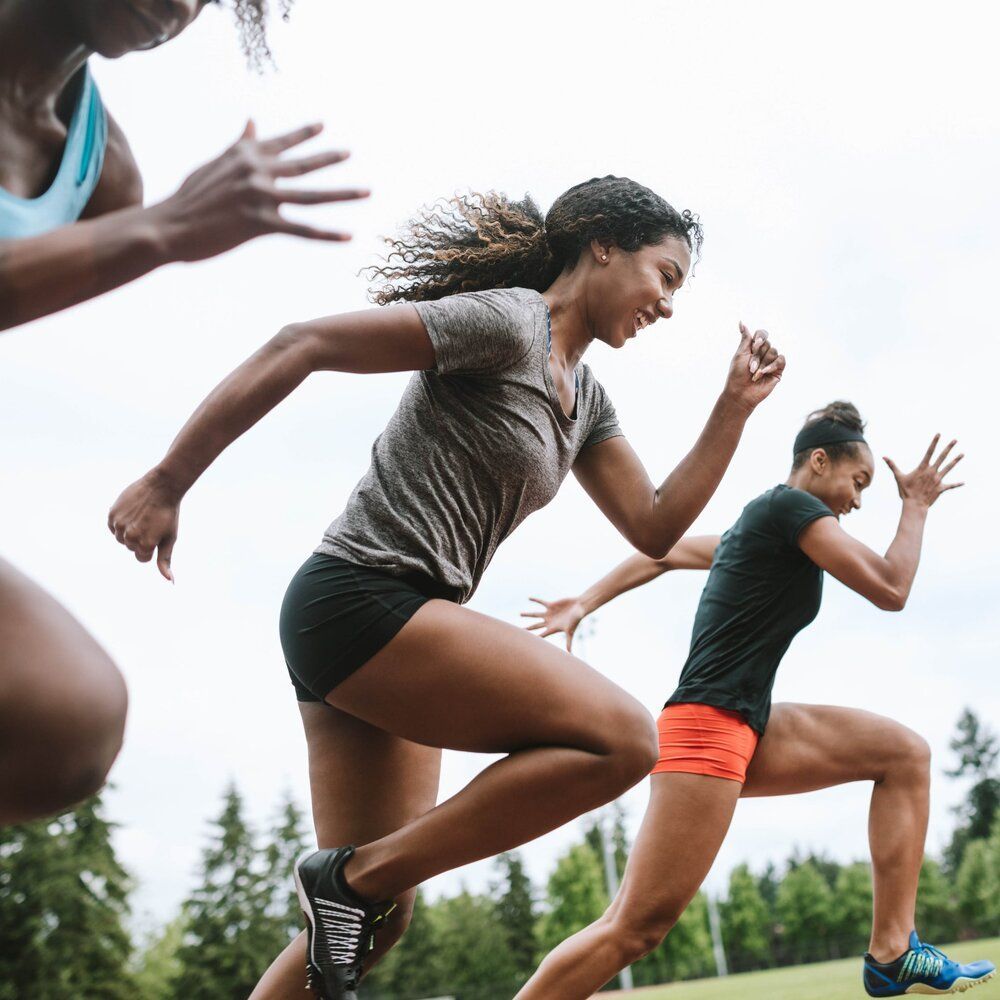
x: 478, y: 241
x: 251, y: 19
x: 840, y: 412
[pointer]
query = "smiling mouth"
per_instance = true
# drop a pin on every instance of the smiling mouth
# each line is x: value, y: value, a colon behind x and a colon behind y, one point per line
x: 640, y: 321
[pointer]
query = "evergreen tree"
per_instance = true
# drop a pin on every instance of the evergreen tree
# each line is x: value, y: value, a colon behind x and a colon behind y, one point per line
x: 286, y: 843
x: 575, y: 894
x: 515, y: 910
x: 978, y: 751
x: 476, y: 964
x: 851, y: 906
x: 412, y: 968
x: 978, y: 885
x: 63, y: 906
x: 230, y: 938
x: 158, y: 964
x: 804, y: 909
x: 937, y: 906
x: 746, y: 922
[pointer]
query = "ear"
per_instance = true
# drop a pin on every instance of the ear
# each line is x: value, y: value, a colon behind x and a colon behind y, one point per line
x: 601, y: 251
x: 819, y: 462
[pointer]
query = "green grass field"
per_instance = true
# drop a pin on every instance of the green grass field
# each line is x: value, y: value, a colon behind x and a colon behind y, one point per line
x: 823, y: 981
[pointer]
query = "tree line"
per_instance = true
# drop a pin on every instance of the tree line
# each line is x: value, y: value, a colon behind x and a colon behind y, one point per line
x: 65, y: 926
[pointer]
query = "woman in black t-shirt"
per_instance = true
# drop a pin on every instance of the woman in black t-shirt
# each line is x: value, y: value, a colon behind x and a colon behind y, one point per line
x: 719, y: 738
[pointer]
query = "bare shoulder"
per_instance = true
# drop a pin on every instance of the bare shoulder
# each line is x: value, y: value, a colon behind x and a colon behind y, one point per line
x: 120, y: 185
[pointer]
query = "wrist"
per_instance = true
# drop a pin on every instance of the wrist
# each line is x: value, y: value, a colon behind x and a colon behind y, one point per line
x: 168, y: 481
x: 916, y: 505
x: 589, y: 602
x: 166, y: 232
x: 733, y: 403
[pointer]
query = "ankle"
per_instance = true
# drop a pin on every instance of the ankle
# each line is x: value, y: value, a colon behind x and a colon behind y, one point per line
x: 364, y: 876
x: 886, y: 948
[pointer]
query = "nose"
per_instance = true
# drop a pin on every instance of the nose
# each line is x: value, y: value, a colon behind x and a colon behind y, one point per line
x: 856, y: 503
x: 665, y: 307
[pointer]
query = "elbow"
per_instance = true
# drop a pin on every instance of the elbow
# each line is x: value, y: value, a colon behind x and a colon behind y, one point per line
x: 655, y: 547
x: 890, y: 599
x: 295, y: 344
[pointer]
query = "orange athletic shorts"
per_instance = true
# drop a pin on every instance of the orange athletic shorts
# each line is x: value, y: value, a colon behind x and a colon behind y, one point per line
x: 702, y: 739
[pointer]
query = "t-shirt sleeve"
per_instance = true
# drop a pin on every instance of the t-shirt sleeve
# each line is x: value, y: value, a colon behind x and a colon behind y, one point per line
x: 605, y: 420
x: 792, y: 510
x: 478, y: 333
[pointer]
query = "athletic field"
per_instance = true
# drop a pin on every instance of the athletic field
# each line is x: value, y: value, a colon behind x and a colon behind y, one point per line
x: 824, y: 981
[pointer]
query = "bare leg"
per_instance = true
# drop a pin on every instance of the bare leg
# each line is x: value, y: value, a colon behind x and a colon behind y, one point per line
x: 807, y: 747
x: 684, y: 826
x: 456, y: 679
x: 62, y: 704
x: 365, y: 784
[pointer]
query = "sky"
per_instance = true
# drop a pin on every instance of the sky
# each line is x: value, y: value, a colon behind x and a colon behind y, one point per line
x: 843, y: 162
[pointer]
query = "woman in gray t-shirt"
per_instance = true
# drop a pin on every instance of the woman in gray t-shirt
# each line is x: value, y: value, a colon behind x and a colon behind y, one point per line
x: 388, y: 665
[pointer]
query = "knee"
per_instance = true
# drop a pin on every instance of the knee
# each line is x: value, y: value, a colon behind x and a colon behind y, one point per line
x: 636, y: 938
x: 634, y: 743
x: 911, y: 757
x: 60, y: 753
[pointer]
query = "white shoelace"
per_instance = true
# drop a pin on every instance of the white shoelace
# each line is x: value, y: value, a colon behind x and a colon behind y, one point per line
x: 341, y: 927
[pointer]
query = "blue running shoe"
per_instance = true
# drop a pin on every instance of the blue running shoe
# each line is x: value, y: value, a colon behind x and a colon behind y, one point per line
x: 922, y: 969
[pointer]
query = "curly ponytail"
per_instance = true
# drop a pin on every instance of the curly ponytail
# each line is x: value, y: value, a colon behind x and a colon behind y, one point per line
x: 478, y: 241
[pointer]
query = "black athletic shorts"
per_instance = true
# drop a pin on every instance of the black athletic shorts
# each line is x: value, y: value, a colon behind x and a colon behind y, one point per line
x: 337, y: 615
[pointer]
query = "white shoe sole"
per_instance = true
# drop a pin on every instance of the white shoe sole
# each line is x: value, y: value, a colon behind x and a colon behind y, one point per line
x: 959, y: 986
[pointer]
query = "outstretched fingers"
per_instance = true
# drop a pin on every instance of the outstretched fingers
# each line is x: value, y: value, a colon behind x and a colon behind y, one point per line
x: 930, y: 451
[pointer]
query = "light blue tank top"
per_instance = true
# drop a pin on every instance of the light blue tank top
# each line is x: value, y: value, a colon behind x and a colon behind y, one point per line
x: 79, y: 172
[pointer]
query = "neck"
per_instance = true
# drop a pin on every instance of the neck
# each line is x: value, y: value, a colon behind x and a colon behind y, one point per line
x: 800, y: 479
x: 39, y: 52
x: 571, y: 334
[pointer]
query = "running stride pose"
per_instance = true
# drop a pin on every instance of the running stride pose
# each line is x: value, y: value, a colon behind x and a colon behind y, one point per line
x: 388, y: 666
x: 64, y: 159
x: 765, y: 585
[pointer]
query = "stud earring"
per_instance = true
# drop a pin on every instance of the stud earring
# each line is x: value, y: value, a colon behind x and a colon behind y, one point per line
x: 604, y: 256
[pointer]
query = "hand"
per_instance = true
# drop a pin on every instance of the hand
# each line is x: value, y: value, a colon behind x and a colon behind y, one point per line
x: 235, y: 198
x: 145, y: 518
x: 926, y: 483
x: 756, y: 369
x: 559, y: 616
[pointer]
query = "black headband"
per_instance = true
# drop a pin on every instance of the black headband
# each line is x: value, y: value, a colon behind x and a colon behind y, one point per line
x: 822, y: 432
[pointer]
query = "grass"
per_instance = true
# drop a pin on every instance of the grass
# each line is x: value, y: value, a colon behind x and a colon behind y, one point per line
x: 823, y: 981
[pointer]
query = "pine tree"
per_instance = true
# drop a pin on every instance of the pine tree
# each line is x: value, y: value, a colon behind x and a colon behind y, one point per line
x: 158, y: 965
x: 63, y: 907
x: 515, y: 911
x: 978, y: 751
x: 804, y: 908
x: 746, y: 922
x: 575, y: 894
x: 286, y: 843
x: 851, y: 909
x: 230, y: 938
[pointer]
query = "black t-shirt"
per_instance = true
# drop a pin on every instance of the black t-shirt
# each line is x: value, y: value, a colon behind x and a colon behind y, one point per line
x: 762, y: 590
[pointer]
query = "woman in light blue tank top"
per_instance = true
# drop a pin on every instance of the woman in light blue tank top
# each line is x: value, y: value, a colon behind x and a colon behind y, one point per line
x: 64, y: 200
x: 70, y: 229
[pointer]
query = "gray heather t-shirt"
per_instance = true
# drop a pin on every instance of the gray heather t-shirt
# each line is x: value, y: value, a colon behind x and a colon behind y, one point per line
x: 474, y: 446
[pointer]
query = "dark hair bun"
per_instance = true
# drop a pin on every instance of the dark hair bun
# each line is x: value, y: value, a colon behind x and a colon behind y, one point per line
x: 840, y: 412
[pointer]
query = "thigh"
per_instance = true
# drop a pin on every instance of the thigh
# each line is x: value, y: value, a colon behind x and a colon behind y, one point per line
x: 808, y: 747
x: 56, y: 682
x: 365, y: 783
x: 460, y: 680
x: 685, y: 824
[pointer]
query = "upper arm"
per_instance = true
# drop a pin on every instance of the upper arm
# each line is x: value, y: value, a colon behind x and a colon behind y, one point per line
x: 855, y: 565
x: 120, y: 183
x: 384, y: 339
x: 616, y: 480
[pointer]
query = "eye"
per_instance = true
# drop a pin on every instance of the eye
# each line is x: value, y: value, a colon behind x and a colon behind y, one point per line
x: 667, y: 277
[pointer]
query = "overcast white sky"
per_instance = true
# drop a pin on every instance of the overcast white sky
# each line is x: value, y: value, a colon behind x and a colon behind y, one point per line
x: 844, y: 162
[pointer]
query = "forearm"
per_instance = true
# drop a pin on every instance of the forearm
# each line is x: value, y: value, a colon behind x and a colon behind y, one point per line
x: 233, y: 407
x: 903, y: 555
x: 44, y: 274
x: 633, y: 572
x: 683, y: 494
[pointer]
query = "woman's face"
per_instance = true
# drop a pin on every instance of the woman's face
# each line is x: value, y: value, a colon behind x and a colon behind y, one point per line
x: 840, y: 484
x: 629, y: 291
x: 113, y: 28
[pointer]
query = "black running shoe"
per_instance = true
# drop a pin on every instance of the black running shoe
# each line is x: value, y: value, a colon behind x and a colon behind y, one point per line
x: 340, y: 925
